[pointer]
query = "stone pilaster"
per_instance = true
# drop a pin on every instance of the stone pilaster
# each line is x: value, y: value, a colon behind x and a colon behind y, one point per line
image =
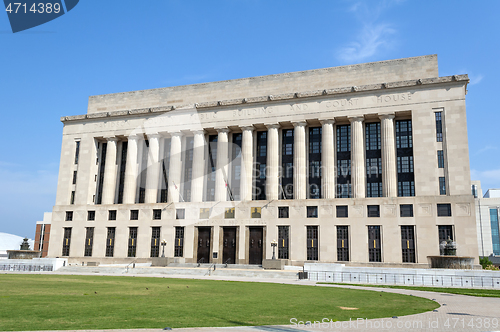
x: 389, y: 174
x: 198, y: 166
x: 358, y: 173
x: 221, y: 171
x: 131, y: 171
x: 299, y: 160
x: 328, y: 159
x: 272, y: 161
x: 246, y: 183
x: 174, y: 169
x: 110, y: 172
x: 153, y: 173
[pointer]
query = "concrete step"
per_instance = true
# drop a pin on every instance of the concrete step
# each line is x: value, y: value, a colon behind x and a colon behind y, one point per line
x: 181, y: 271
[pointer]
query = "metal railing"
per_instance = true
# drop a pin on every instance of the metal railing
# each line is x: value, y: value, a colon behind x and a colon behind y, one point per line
x: 26, y: 267
x: 209, y: 272
x: 128, y: 265
x: 407, y: 279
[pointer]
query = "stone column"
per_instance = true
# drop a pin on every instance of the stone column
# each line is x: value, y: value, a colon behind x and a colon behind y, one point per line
x: 246, y: 182
x: 131, y: 171
x: 272, y: 162
x: 358, y: 173
x: 110, y: 169
x: 221, y: 173
x: 174, y: 169
x: 152, y: 179
x: 197, y: 180
x: 389, y: 174
x: 299, y: 160
x: 328, y: 159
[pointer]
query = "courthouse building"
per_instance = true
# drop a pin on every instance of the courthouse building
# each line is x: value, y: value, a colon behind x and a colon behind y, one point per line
x: 365, y: 164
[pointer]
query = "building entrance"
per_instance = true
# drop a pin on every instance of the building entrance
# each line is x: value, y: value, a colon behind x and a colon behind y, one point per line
x: 204, y: 244
x: 255, y: 245
x: 229, y: 245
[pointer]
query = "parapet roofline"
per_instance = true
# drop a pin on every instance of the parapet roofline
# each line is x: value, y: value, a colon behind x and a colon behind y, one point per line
x: 280, y: 97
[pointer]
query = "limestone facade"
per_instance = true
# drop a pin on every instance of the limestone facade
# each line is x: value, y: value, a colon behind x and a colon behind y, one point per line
x: 194, y: 165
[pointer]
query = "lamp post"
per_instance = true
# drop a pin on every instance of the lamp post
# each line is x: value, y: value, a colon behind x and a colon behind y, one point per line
x: 274, y: 244
x: 163, y: 244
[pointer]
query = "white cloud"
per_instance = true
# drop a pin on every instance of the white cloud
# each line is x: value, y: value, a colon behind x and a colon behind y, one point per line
x: 486, y: 148
x: 489, y: 178
x: 475, y: 79
x: 371, y: 40
x: 373, y: 37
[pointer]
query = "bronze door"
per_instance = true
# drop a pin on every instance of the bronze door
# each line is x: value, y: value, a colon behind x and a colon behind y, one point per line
x: 256, y: 245
x: 204, y: 244
x: 229, y: 245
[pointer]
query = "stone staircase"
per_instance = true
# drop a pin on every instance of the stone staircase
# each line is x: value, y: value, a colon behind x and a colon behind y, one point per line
x: 184, y: 270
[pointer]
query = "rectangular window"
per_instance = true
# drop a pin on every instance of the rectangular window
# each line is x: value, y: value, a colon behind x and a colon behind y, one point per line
x: 134, y: 214
x: 445, y: 233
x: 180, y: 213
x: 373, y: 211
x: 66, y: 241
x: 495, y: 234
x: 283, y: 239
x: 259, y: 190
x: 408, y: 243
x: 69, y: 215
x: 74, y: 176
x: 204, y: 213
x: 110, y: 242
x: 157, y: 214
x: 155, y: 241
x: 187, y: 164
x: 404, y: 152
x: 229, y: 213
x: 283, y: 212
x: 91, y: 215
x: 440, y: 159
x: 132, y: 242
x: 343, y: 154
x: 164, y: 171
x: 343, y: 243
x: 373, y: 155
x: 374, y: 243
x: 102, y: 165
x: 312, y: 212
x: 442, y: 185
x: 286, y: 190
x: 112, y: 215
x: 315, y: 135
x: 312, y: 243
x: 439, y: 126
x: 89, y: 241
x: 256, y: 212
x: 77, y: 152
x: 342, y: 211
x: 121, y: 175
x: 179, y: 242
x: 72, y: 199
x: 406, y: 210
x: 144, y: 172
x: 444, y: 210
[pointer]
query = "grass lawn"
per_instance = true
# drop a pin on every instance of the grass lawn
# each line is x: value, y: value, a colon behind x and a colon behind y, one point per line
x: 54, y: 302
x: 461, y: 291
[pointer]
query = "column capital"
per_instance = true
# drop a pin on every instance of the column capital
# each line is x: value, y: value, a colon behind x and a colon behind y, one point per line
x: 389, y: 116
x: 111, y: 138
x: 134, y: 136
x: 301, y: 123
x: 250, y: 127
x: 272, y: 125
x: 222, y: 130
x: 176, y: 134
x: 198, y: 132
x: 326, y: 121
x: 356, y: 118
x: 154, y: 135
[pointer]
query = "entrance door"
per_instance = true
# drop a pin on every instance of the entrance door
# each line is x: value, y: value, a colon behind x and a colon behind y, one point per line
x: 204, y: 244
x: 255, y: 246
x: 229, y: 245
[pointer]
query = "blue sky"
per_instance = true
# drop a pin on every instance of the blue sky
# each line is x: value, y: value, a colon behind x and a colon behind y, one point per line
x: 124, y: 45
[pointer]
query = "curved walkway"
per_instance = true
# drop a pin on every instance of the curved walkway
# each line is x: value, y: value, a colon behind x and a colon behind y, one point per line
x: 457, y: 313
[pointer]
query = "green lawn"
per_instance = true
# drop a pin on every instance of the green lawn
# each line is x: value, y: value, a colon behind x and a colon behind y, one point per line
x: 54, y: 302
x: 462, y: 291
